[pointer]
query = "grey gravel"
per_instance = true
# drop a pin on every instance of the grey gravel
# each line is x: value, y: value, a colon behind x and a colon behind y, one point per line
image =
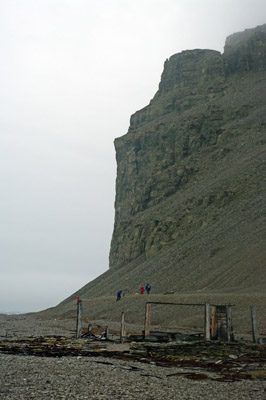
x: 29, y: 377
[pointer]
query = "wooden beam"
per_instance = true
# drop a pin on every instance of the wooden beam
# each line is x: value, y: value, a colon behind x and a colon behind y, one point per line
x: 106, y: 333
x: 147, y: 320
x: 123, y: 328
x: 255, y: 333
x: 229, y: 326
x: 214, y: 323
x: 79, y: 319
x: 207, y: 321
x: 177, y: 304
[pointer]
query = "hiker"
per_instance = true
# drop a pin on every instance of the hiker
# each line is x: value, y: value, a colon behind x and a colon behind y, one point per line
x: 142, y: 290
x: 118, y: 296
x: 148, y: 288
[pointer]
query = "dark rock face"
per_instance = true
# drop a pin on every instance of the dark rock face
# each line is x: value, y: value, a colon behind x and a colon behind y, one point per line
x: 246, y: 51
x: 191, y: 164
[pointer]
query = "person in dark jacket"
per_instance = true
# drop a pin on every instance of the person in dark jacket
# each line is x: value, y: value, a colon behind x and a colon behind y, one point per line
x: 148, y: 288
x: 118, y: 296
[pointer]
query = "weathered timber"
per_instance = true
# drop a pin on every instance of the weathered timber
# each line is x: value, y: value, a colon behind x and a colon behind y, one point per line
x: 123, y: 328
x: 79, y: 319
x: 229, y: 326
x: 177, y: 304
x: 255, y: 334
x: 214, y: 323
x: 106, y: 333
x: 207, y: 321
x: 162, y: 337
x: 147, y: 320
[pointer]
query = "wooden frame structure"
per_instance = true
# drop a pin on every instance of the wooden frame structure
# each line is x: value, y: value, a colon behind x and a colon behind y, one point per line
x: 218, y: 320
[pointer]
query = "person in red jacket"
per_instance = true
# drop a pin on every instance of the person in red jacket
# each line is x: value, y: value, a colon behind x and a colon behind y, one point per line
x: 142, y: 290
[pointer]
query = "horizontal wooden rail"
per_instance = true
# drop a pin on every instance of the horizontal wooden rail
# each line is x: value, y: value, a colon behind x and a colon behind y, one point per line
x: 175, y: 304
x: 187, y: 304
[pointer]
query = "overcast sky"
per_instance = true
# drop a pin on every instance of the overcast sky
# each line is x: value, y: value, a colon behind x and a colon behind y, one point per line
x: 71, y: 74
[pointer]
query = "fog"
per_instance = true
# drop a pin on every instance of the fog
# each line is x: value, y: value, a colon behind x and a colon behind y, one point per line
x: 71, y: 74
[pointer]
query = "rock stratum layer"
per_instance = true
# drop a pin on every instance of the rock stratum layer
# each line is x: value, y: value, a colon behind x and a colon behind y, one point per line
x: 193, y: 160
x: 190, y: 189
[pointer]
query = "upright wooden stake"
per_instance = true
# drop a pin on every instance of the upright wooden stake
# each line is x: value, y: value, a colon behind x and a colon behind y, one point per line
x: 254, y: 325
x: 229, y: 327
x: 123, y: 328
x: 207, y: 321
x: 147, y: 320
x: 214, y: 324
x: 106, y: 333
x: 79, y: 319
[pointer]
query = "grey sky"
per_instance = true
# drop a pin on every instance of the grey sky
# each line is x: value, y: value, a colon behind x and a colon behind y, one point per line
x: 71, y: 74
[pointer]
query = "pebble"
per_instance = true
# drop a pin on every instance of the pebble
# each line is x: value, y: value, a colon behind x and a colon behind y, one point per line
x: 43, y: 378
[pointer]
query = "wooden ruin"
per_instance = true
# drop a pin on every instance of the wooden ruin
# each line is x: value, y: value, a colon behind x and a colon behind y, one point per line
x: 217, y: 325
x: 218, y: 321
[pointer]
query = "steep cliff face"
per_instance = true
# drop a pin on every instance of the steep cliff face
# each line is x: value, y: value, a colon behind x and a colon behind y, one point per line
x: 193, y: 158
x: 246, y: 51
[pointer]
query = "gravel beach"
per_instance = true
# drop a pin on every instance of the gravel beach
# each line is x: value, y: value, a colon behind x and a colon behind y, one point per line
x: 97, y: 377
x: 27, y: 377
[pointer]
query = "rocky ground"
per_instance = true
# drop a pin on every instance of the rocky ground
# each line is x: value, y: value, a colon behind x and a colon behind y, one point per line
x: 128, y: 371
x: 29, y: 377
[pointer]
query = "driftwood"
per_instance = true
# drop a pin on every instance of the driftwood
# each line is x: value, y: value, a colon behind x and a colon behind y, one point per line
x: 90, y: 335
x: 161, y: 337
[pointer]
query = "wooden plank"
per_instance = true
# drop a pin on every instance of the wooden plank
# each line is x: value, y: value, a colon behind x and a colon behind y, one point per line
x: 229, y: 326
x: 177, y: 304
x: 106, y: 333
x: 79, y: 319
x: 255, y: 333
x: 123, y: 328
x: 147, y: 320
x: 214, y: 323
x: 186, y: 304
x: 207, y: 321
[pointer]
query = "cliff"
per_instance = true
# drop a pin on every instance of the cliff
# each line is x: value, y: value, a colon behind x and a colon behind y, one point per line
x: 190, y: 170
x: 190, y: 206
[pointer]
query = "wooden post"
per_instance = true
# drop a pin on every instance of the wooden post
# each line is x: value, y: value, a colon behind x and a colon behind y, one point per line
x: 106, y: 333
x: 207, y: 321
x: 79, y: 319
x: 229, y: 327
x: 254, y: 325
x: 214, y: 323
x: 147, y: 320
x: 123, y: 328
